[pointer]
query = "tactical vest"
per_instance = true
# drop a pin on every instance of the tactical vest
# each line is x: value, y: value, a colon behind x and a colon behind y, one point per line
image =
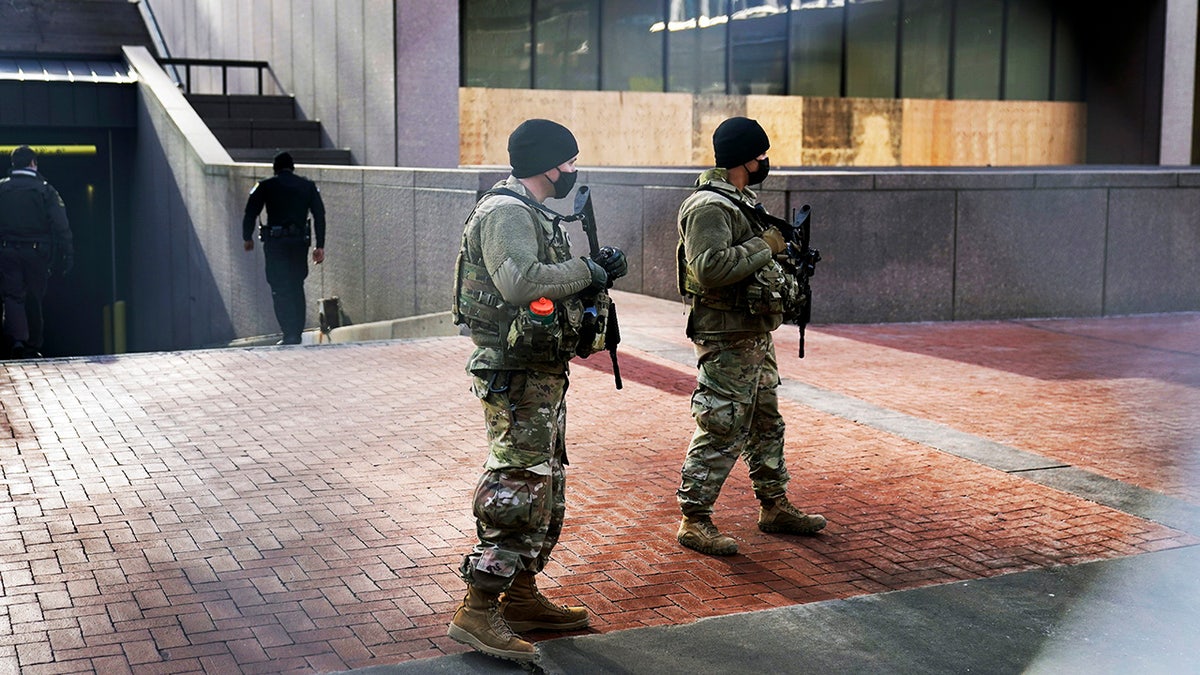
x: 494, y: 322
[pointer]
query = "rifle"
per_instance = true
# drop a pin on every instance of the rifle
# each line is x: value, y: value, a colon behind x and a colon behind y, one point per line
x: 612, y: 331
x: 803, y: 259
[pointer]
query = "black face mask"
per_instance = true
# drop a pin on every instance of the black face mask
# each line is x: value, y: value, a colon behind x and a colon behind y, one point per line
x: 562, y: 186
x: 756, y: 177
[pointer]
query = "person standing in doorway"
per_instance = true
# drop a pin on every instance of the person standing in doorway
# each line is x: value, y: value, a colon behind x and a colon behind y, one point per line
x: 35, y: 240
x: 286, y: 237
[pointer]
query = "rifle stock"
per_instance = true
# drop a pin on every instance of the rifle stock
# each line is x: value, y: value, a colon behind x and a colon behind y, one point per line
x: 583, y: 208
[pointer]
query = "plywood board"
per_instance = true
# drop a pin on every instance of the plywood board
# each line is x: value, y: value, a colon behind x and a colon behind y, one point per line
x: 612, y: 128
x: 639, y: 129
x: 675, y: 129
x: 708, y: 112
x: 852, y: 131
x: 993, y: 133
x: 783, y: 119
x: 876, y: 131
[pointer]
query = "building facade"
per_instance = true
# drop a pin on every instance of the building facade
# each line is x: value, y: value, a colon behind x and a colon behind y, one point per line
x: 837, y: 82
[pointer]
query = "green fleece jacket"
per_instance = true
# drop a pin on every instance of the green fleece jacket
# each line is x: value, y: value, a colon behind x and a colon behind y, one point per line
x: 719, y: 247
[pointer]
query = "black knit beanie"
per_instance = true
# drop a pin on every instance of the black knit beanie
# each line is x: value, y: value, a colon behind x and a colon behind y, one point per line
x: 738, y: 140
x: 538, y: 145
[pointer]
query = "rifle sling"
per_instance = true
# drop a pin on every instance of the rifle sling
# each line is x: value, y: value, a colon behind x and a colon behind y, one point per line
x: 754, y: 213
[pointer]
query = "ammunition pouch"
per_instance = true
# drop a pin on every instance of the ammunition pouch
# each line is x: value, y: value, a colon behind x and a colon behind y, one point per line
x: 770, y: 290
x: 529, y: 339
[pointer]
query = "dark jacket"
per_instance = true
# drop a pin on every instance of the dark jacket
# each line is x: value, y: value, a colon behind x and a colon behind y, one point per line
x: 32, y: 210
x: 289, y: 199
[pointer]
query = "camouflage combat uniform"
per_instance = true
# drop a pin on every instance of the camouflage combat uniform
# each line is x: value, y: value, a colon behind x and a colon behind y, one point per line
x: 735, y: 404
x: 519, y: 500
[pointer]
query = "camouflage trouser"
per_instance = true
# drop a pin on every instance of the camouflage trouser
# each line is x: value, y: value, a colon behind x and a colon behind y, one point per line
x: 519, y: 499
x: 736, y: 408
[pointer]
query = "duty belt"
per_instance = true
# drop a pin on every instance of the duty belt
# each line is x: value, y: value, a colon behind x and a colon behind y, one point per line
x: 289, y: 230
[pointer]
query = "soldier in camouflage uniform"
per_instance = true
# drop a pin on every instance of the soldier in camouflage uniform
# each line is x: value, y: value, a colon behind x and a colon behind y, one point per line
x: 727, y: 265
x: 519, y: 291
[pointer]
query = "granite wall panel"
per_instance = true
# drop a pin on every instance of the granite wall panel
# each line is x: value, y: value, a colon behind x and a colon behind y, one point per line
x: 885, y: 256
x: 1031, y: 253
x: 1153, y: 254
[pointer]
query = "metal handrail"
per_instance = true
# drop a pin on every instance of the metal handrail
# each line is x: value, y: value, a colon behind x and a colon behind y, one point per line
x: 223, y: 64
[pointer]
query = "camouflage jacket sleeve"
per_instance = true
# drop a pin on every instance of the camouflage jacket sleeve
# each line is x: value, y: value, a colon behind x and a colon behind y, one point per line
x: 510, y: 252
x: 719, y: 244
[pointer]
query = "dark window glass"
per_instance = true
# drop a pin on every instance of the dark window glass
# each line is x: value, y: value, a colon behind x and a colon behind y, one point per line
x: 871, y: 48
x: 1027, y: 56
x: 495, y: 50
x: 696, y: 32
x: 632, y: 45
x: 1068, y: 65
x: 816, y: 58
x: 567, y: 42
x: 925, y: 49
x: 758, y: 35
x: 977, y: 39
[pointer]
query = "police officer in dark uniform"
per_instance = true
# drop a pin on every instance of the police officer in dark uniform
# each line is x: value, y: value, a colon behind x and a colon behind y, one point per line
x: 34, y: 238
x: 286, y: 237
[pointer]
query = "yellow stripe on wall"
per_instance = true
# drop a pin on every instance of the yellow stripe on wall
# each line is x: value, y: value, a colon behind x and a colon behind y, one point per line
x: 76, y: 150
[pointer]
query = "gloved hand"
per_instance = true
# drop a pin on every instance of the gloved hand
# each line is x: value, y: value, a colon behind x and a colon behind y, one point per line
x: 599, y: 276
x: 614, y: 262
x: 775, y: 240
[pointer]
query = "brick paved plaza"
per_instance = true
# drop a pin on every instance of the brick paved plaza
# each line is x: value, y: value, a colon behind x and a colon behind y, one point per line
x: 303, y: 510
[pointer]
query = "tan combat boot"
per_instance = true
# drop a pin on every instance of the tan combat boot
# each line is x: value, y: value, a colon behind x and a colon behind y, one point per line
x: 524, y: 608
x: 478, y: 623
x: 699, y: 534
x: 778, y: 515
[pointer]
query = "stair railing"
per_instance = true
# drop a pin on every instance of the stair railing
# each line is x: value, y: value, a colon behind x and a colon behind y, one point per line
x: 224, y: 64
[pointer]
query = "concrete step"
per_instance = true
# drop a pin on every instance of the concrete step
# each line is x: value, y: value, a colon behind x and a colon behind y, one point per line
x: 269, y: 133
x: 243, y: 106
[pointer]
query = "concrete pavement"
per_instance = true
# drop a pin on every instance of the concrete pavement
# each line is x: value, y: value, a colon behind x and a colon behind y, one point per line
x: 1002, y: 496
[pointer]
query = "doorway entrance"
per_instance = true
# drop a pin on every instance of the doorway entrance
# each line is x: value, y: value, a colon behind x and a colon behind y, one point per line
x: 82, y: 310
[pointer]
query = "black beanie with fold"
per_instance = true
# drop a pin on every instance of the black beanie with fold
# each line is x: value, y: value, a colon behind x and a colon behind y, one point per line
x: 738, y: 140
x: 538, y: 145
